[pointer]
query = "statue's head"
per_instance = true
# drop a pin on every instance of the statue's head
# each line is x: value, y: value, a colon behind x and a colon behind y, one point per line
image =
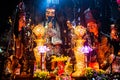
x: 22, y: 20
x: 114, y: 32
x: 50, y: 14
x: 92, y: 27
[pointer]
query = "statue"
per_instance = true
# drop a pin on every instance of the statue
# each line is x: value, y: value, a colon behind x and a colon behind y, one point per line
x: 50, y: 19
x: 78, y: 51
x: 39, y: 31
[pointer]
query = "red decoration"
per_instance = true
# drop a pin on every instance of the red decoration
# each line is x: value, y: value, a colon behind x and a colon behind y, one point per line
x: 94, y: 65
x: 60, y: 65
x: 118, y: 2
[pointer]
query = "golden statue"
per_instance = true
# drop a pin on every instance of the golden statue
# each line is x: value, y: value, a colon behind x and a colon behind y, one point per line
x: 79, y: 54
x: 39, y: 32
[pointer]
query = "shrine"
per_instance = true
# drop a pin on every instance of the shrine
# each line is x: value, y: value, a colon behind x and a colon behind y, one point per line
x: 61, y: 40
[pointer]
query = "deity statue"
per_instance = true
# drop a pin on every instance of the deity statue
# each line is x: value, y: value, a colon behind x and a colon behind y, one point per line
x: 50, y: 18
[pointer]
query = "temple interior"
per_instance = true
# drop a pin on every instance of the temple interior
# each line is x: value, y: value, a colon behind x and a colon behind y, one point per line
x: 60, y: 40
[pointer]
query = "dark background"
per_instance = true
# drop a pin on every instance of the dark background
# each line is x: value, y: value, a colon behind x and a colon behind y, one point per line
x: 106, y: 11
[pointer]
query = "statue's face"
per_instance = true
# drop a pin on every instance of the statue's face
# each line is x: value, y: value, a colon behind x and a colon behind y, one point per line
x: 22, y: 22
x: 92, y: 27
x: 113, y: 34
x: 50, y: 13
x: 69, y: 25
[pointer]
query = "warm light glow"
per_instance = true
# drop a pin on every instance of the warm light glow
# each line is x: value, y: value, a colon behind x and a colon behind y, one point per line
x: 80, y: 31
x: 94, y: 65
